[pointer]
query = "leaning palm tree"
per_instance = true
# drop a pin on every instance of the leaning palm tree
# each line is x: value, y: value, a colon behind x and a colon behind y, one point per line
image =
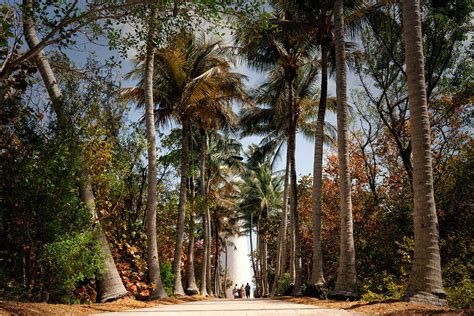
x: 193, y: 78
x: 288, y: 49
x: 109, y: 283
x: 425, y: 284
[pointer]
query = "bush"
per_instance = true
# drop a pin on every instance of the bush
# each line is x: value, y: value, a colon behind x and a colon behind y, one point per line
x: 382, y: 286
x: 167, y: 277
x: 70, y: 260
x: 461, y: 296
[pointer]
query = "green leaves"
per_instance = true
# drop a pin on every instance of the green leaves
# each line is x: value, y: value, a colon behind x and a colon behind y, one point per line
x: 71, y: 259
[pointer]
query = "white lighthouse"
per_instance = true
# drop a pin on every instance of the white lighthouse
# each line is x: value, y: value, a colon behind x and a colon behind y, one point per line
x: 239, y: 269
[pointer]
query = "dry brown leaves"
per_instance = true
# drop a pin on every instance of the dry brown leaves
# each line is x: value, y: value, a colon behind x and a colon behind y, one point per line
x: 388, y: 307
x: 21, y: 308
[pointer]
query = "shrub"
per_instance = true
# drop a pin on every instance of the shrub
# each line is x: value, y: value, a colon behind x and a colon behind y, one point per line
x: 462, y: 295
x: 70, y: 260
x: 167, y: 277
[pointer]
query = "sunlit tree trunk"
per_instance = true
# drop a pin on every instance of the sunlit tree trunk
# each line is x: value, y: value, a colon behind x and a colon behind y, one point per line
x: 154, y: 276
x: 265, y: 289
x: 217, y: 273
x: 263, y: 250
x: 209, y: 240
x: 186, y: 131
x: 281, y: 255
x: 190, y: 275
x: 293, y: 186
x: 110, y: 286
x: 226, y: 266
x: 252, y: 256
x: 346, y: 283
x: 425, y: 284
x: 206, y: 216
x: 317, y: 277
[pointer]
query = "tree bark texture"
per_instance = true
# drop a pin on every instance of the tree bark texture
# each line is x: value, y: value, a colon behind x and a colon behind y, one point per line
x: 425, y: 283
x: 186, y: 132
x: 154, y: 276
x: 346, y: 283
x: 317, y: 277
x: 281, y: 255
x: 203, y: 193
x: 293, y: 186
x: 190, y: 275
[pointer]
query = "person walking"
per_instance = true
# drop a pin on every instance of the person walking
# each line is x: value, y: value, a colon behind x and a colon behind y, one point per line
x: 247, y: 290
x: 242, y: 291
x: 235, y: 291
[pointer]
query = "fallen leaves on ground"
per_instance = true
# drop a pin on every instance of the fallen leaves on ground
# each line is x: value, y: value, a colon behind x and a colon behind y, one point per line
x: 24, y: 308
x: 388, y: 307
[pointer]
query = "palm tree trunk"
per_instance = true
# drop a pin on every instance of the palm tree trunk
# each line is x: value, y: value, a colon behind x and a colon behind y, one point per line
x: 206, y: 216
x: 186, y: 132
x: 109, y: 283
x: 346, y: 283
x: 154, y: 276
x: 265, y: 290
x: 260, y: 261
x: 225, y: 267
x: 190, y: 275
x: 425, y: 284
x: 216, y: 258
x: 281, y: 255
x: 110, y: 286
x: 209, y: 241
x: 252, y: 255
x: 292, y: 241
x: 317, y: 277
x: 293, y: 186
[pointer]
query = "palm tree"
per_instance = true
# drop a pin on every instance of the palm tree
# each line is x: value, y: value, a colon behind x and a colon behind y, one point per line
x: 319, y: 15
x: 261, y: 195
x: 268, y: 120
x: 346, y: 283
x: 154, y: 275
x: 425, y: 284
x: 222, y: 167
x: 192, y: 79
x: 288, y: 49
x: 110, y: 286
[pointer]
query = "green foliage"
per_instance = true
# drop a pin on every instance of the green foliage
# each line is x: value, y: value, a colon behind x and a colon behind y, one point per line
x: 167, y: 276
x: 461, y: 295
x: 284, y: 282
x: 70, y: 260
x: 383, y: 286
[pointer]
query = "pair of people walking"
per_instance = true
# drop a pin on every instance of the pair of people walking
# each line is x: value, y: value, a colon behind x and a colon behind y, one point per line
x: 242, y: 292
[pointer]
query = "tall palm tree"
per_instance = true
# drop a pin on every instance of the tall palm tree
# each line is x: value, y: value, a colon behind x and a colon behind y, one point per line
x: 219, y: 161
x: 346, y: 282
x: 288, y: 49
x: 154, y: 275
x: 425, y: 284
x: 261, y: 195
x: 110, y: 286
x: 319, y: 15
x: 268, y: 120
x: 193, y: 79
